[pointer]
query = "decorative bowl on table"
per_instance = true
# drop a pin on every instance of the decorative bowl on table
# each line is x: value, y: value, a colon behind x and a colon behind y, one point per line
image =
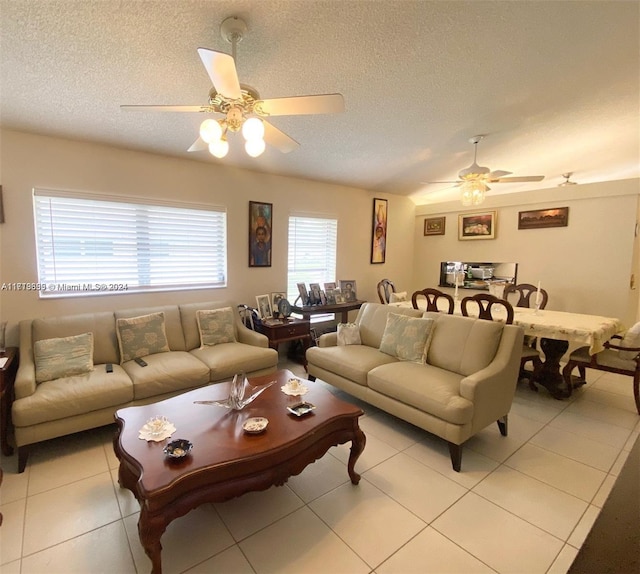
x: 294, y: 388
x: 178, y: 448
x: 156, y: 429
x: 255, y: 425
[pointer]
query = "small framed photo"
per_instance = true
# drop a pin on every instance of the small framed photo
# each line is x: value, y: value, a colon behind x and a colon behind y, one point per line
x: 260, y: 229
x: 338, y: 297
x: 330, y: 295
x: 379, y: 231
x: 328, y: 286
x: 314, y: 293
x: 275, y: 299
x: 480, y: 225
x: 304, y: 294
x: 541, y: 218
x: 434, y: 225
x: 347, y: 291
x: 264, y: 306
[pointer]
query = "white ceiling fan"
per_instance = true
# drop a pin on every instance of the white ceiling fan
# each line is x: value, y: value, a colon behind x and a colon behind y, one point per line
x: 474, y: 179
x: 241, y: 106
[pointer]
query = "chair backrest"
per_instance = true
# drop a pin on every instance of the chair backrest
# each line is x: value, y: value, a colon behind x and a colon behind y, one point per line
x: 385, y: 288
x: 525, y: 292
x: 432, y: 296
x: 485, y: 303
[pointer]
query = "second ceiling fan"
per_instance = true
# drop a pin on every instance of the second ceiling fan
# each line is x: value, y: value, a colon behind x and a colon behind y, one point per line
x: 241, y: 106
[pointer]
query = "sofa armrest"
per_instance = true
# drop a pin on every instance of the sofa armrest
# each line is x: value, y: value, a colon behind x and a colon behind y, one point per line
x: 249, y: 337
x: 25, y: 384
x: 328, y: 340
x: 491, y: 389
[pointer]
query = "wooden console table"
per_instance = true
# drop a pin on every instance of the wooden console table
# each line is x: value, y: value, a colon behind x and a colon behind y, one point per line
x: 343, y: 308
x: 288, y: 330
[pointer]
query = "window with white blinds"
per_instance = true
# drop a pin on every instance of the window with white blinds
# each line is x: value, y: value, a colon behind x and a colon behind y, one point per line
x: 312, y: 252
x: 88, y: 246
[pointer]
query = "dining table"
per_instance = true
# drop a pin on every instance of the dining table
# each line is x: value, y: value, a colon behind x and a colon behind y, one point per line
x: 557, y: 333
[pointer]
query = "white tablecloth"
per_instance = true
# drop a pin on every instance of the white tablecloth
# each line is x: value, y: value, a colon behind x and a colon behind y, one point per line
x: 580, y: 330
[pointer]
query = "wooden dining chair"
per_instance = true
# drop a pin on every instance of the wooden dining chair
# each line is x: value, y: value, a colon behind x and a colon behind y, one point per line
x: 524, y: 292
x: 385, y: 288
x: 485, y: 303
x: 432, y: 296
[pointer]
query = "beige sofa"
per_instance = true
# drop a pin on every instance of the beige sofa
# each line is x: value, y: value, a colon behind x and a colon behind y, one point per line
x: 67, y: 405
x: 467, y: 382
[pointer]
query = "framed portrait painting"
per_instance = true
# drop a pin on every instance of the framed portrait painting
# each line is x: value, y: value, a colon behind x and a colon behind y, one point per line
x: 481, y: 225
x: 379, y: 231
x: 348, y: 291
x: 260, y: 230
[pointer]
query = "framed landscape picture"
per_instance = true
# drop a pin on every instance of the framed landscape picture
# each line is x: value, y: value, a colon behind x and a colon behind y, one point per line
x: 379, y: 231
x: 434, y: 225
x: 260, y: 226
x: 481, y: 225
x: 541, y: 218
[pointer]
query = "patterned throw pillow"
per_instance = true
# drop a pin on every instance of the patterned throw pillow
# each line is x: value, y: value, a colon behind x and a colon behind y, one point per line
x: 63, y: 357
x: 348, y: 334
x: 631, y: 339
x: 141, y: 336
x: 216, y: 326
x: 406, y: 338
x: 399, y: 297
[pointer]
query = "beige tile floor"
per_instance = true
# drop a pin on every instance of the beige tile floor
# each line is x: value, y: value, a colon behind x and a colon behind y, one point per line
x: 523, y: 503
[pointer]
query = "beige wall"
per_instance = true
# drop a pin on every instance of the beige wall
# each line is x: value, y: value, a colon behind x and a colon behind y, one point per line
x: 29, y: 161
x: 586, y: 267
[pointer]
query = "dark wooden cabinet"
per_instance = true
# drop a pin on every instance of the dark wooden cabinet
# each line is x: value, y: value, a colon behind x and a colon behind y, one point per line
x: 7, y: 379
x: 288, y: 330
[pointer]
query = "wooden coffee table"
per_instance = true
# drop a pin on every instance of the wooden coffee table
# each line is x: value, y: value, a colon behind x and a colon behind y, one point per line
x: 225, y: 461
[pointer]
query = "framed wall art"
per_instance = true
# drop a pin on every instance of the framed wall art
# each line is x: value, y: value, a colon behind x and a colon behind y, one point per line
x: 434, y: 225
x: 480, y: 225
x: 379, y: 231
x: 541, y: 218
x: 260, y: 230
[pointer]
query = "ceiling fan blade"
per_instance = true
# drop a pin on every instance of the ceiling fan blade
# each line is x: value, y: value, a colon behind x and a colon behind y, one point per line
x: 430, y: 182
x: 222, y: 71
x: 273, y: 136
x: 199, y: 145
x: 498, y: 174
x: 166, y: 108
x: 518, y: 179
x: 300, y: 105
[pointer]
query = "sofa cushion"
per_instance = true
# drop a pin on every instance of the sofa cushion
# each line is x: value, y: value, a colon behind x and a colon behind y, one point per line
x: 102, y: 324
x: 348, y: 334
x: 463, y: 345
x: 190, y: 323
x: 352, y: 362
x: 141, y: 336
x: 406, y: 338
x: 225, y: 360
x: 216, y: 326
x: 431, y: 389
x: 172, y: 322
x: 631, y: 339
x: 63, y: 357
x: 71, y: 396
x: 372, y: 320
x: 165, y: 373
x: 399, y: 297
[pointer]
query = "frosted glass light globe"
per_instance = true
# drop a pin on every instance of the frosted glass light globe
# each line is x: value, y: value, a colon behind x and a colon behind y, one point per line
x: 210, y: 130
x: 219, y: 148
x: 253, y: 129
x: 254, y: 147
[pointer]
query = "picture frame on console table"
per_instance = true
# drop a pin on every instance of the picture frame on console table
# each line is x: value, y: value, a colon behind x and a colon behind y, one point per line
x: 379, y: 231
x: 348, y: 291
x: 263, y: 303
x: 260, y: 233
x: 478, y: 225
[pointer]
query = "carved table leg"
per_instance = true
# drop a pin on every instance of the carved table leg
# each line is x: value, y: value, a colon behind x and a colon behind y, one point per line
x: 150, y: 530
x: 549, y: 375
x: 357, y: 446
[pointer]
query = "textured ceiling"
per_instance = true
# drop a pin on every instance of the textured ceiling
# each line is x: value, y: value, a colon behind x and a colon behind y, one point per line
x: 553, y: 85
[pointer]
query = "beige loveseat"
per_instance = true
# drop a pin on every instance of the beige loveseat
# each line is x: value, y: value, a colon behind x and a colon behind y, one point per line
x: 467, y: 382
x: 70, y: 404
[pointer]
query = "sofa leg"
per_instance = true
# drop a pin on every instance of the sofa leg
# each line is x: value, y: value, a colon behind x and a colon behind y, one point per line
x: 311, y: 378
x: 23, y: 454
x: 503, y: 425
x: 455, y: 450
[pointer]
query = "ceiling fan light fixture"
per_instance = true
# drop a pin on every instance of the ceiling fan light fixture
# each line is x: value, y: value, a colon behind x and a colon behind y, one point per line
x: 253, y: 129
x: 473, y: 193
x: 566, y: 180
x: 254, y: 147
x: 219, y: 148
x: 210, y: 130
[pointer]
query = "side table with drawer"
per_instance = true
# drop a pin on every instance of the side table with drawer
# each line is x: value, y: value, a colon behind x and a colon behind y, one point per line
x: 7, y: 379
x: 287, y: 330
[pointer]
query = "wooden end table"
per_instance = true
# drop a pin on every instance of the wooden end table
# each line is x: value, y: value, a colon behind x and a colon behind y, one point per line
x: 7, y: 380
x: 285, y: 330
x: 225, y: 461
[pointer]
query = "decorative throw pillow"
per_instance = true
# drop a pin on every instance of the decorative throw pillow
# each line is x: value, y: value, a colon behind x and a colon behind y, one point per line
x: 216, y: 326
x: 141, y: 336
x: 407, y: 338
x: 348, y: 334
x: 63, y: 357
x: 399, y: 297
x: 631, y: 339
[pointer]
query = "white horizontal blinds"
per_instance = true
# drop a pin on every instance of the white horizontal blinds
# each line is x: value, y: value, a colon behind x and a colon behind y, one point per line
x: 83, y: 240
x: 312, y: 252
